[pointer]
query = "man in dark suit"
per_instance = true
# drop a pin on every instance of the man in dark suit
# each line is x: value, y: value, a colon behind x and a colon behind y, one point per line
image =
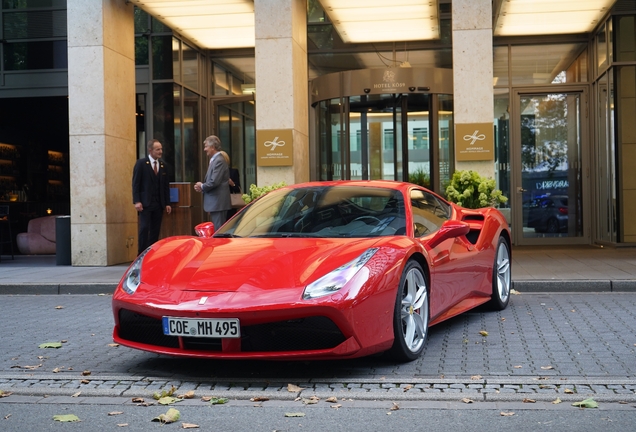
x: 151, y: 194
x: 215, y: 187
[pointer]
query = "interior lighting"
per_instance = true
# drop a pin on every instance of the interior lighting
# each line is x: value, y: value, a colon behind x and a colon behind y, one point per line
x: 378, y: 20
x: 212, y: 24
x: 536, y: 17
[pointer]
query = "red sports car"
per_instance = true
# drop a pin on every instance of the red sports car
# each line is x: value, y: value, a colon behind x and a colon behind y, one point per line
x: 318, y: 270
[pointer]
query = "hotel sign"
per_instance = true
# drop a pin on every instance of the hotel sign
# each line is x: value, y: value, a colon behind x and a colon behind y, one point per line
x: 474, y: 142
x: 274, y: 147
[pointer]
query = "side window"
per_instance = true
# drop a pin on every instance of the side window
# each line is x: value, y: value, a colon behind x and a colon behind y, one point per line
x: 429, y: 213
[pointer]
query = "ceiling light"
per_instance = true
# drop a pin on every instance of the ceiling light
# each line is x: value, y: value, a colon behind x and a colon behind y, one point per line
x: 533, y: 17
x: 377, y: 20
x: 213, y: 24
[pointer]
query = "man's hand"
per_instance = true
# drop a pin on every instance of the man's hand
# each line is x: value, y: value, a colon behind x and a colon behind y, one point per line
x: 197, y: 187
x: 139, y: 207
x: 168, y: 209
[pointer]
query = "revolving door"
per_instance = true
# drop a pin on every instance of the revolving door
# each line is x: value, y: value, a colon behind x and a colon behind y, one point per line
x: 398, y: 127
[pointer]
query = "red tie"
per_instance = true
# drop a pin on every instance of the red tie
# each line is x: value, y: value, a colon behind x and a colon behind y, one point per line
x: 156, y: 169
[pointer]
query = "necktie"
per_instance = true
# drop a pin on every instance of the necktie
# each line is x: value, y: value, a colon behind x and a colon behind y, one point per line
x: 156, y: 169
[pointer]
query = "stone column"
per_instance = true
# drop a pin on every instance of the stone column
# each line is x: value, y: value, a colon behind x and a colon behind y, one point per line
x: 282, y: 83
x: 102, y: 149
x: 472, y: 71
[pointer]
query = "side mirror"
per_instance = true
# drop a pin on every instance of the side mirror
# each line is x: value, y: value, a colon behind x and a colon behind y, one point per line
x: 205, y: 229
x: 450, y: 229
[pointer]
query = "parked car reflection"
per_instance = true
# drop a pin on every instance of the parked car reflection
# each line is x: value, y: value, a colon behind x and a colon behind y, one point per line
x: 547, y: 213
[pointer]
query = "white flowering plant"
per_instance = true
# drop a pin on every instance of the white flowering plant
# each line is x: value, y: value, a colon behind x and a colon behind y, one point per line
x: 468, y: 189
x: 256, y: 192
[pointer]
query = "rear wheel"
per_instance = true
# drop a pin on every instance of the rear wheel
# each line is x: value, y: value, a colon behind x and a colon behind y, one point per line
x: 501, y: 276
x: 411, y: 314
x: 552, y: 226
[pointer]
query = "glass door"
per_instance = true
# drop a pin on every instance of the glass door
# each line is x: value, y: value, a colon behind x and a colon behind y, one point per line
x: 551, y: 169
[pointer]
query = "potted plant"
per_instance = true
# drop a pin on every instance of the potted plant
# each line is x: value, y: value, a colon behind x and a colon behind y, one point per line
x: 468, y: 189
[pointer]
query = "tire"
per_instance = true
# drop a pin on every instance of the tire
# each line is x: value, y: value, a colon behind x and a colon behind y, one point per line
x: 552, y: 226
x: 411, y: 314
x: 501, y: 277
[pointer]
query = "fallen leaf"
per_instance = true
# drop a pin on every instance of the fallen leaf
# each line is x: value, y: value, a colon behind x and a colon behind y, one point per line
x: 31, y: 367
x: 85, y: 381
x: 168, y: 400
x: 5, y: 394
x: 475, y: 377
x: 7, y: 416
x: 331, y: 399
x: 336, y: 406
x: 114, y: 413
x: 568, y: 391
x: 189, y: 426
x: 137, y: 400
x: 518, y: 367
x: 218, y: 401
x: 171, y: 416
x: 122, y: 424
x: 483, y: 333
x: 259, y: 399
x: 206, y: 398
x: 76, y: 394
x: 310, y: 401
x: 395, y: 407
x: 514, y: 292
x: 59, y: 307
x: 546, y: 367
x: 506, y: 414
x: 188, y: 395
x: 503, y: 319
x: 56, y: 370
x: 114, y: 345
x: 66, y: 418
x: 63, y: 341
x: 526, y: 400
x: 294, y: 414
x: 86, y: 373
x: 556, y: 401
x: 587, y: 403
x: 294, y: 388
x: 50, y: 345
x: 164, y: 393
x: 573, y: 310
x: 408, y: 387
x: 467, y: 401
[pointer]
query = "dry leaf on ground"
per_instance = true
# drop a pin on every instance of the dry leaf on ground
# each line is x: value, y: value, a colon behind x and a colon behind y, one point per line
x: 292, y: 388
x: 506, y: 414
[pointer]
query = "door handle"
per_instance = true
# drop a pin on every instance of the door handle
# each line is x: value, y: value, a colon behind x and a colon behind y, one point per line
x: 520, y: 189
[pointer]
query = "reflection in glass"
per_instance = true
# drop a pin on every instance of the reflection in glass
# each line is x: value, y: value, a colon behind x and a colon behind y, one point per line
x: 551, y: 165
x: 191, y: 139
x: 545, y: 64
x: 178, y: 140
x: 221, y: 86
x: 161, y: 57
x: 446, y: 140
x: 502, y: 142
x: 176, y: 64
x: 417, y: 140
x: 190, y: 67
x: 163, y: 120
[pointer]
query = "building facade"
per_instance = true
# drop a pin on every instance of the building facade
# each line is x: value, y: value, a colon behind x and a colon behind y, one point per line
x: 545, y: 111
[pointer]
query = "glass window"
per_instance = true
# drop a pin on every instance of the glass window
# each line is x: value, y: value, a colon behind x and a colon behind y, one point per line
x: 626, y: 38
x: 190, y: 67
x: 26, y: 4
x: 221, y: 86
x: 500, y: 66
x: 191, y: 139
x: 142, y: 21
x: 35, y: 55
x: 158, y: 27
x: 601, y: 49
x: 161, y: 57
x: 141, y: 51
x: 176, y: 63
x: 502, y: 142
x: 178, y: 134
x: 446, y: 139
x: 548, y: 64
x: 429, y: 212
x: 163, y: 114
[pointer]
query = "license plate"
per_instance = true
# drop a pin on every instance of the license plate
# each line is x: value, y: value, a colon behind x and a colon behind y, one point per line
x: 209, y: 327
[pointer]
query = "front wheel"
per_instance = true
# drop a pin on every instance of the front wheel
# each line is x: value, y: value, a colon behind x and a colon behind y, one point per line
x: 411, y: 314
x: 501, y: 279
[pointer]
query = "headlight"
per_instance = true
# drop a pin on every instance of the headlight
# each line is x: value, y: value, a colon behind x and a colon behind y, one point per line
x: 335, y: 280
x: 133, y: 275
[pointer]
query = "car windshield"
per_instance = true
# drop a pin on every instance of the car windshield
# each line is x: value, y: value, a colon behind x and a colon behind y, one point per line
x: 321, y: 211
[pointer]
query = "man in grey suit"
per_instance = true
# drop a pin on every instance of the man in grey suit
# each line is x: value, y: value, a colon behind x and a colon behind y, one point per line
x: 215, y: 187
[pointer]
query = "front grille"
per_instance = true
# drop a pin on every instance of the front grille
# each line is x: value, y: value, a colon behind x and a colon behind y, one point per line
x: 303, y: 334
x: 313, y: 333
x: 143, y: 329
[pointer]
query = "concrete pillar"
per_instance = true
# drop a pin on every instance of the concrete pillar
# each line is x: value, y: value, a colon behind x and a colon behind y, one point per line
x: 472, y: 71
x: 282, y: 83
x: 102, y: 149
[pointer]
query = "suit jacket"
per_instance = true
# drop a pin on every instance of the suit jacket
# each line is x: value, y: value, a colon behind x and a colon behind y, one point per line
x: 145, y: 181
x: 216, y: 186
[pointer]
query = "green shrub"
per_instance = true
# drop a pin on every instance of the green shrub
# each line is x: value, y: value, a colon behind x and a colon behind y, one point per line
x: 469, y: 189
x: 256, y: 191
x: 420, y: 178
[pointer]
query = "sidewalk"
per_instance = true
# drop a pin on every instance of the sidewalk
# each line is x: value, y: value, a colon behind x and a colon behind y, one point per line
x: 534, y: 269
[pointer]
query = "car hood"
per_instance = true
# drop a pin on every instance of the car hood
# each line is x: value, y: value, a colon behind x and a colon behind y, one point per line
x: 245, y: 264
